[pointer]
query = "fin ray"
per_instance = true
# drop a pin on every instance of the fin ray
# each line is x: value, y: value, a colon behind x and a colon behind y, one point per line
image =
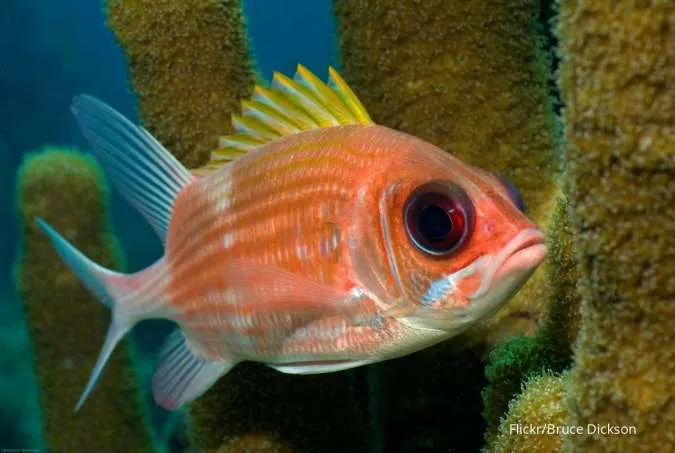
x: 274, y: 118
x: 305, y: 99
x: 138, y: 165
x: 330, y: 99
x: 349, y: 98
x: 181, y: 376
x: 287, y: 107
x: 116, y: 332
x: 278, y: 100
x: 287, y: 292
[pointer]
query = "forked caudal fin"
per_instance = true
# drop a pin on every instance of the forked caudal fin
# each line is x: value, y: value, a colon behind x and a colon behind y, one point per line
x: 150, y: 178
x: 131, y: 297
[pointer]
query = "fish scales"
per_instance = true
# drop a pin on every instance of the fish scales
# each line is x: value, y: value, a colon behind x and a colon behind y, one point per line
x: 285, y: 207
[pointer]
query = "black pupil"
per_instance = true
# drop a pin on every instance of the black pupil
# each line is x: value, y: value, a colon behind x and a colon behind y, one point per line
x: 438, y: 218
x: 434, y: 223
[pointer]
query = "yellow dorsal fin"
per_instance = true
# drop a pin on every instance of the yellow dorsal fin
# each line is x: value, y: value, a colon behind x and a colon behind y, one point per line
x: 287, y: 107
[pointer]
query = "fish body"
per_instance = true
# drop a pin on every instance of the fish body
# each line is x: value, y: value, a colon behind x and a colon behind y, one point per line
x: 293, y: 205
x: 329, y: 243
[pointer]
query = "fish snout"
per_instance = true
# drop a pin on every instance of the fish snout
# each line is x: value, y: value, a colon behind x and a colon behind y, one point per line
x: 513, y: 265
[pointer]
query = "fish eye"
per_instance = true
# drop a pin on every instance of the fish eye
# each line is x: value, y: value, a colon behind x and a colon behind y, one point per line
x: 439, y: 218
x: 514, y: 193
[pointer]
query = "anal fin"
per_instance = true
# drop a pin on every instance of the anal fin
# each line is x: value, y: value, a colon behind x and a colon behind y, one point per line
x: 181, y: 376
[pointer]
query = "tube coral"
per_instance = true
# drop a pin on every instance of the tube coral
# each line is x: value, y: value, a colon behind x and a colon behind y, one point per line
x: 190, y: 65
x: 617, y: 80
x: 67, y: 189
x: 542, y: 405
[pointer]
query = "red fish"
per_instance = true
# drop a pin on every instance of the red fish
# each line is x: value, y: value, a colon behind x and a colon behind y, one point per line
x: 314, y: 241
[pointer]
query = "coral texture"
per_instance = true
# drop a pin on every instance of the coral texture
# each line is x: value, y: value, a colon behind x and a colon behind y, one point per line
x: 542, y: 405
x: 513, y: 361
x: 66, y: 323
x: 617, y: 77
x: 190, y: 66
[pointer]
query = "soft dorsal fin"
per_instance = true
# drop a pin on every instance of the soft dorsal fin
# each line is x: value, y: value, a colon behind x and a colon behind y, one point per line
x: 288, y: 107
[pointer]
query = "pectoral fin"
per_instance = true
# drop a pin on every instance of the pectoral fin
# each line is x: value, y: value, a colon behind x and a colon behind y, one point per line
x: 287, y: 292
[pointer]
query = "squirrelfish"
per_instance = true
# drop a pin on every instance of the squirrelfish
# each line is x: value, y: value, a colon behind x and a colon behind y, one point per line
x: 313, y: 241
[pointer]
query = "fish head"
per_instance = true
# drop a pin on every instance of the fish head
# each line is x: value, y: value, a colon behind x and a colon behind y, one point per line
x: 449, y: 244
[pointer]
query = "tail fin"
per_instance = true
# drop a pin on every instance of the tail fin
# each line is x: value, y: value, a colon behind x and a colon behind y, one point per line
x: 151, y: 179
x: 138, y: 165
x: 128, y: 296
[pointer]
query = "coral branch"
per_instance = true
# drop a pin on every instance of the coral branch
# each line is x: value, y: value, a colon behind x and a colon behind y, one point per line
x: 617, y: 79
x: 190, y: 65
x: 65, y: 322
x: 540, y: 406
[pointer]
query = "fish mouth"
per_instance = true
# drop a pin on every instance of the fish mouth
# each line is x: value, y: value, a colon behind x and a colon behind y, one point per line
x: 514, y: 263
x: 502, y: 276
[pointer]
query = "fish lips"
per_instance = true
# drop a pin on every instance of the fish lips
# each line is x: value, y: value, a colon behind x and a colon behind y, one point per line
x: 512, y: 266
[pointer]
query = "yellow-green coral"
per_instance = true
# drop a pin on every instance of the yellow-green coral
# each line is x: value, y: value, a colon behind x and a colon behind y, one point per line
x: 471, y: 78
x: 541, y: 405
x: 617, y: 78
x: 66, y: 323
x: 190, y: 66
x: 561, y: 325
x: 510, y: 363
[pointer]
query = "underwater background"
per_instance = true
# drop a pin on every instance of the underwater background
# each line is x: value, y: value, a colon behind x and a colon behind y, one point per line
x: 573, y: 101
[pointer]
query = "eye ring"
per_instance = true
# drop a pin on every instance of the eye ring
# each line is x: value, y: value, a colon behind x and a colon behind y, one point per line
x: 438, y: 218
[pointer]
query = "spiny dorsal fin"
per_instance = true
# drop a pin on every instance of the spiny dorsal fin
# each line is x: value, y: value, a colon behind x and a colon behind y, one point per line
x: 288, y: 107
